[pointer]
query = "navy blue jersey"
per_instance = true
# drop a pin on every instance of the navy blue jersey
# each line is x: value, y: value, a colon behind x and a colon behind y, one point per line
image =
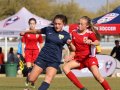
x: 54, y: 42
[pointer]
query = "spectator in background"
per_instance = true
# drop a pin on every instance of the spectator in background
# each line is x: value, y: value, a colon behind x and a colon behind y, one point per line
x: 11, y: 56
x: 116, y: 50
x: 19, y: 51
x: 1, y: 56
x: 98, y: 49
x: 1, y: 61
x: 20, y: 58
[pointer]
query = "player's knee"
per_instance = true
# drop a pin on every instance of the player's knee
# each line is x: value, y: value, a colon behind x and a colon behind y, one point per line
x: 99, y: 78
x: 66, y: 68
x: 48, y: 78
x: 31, y: 79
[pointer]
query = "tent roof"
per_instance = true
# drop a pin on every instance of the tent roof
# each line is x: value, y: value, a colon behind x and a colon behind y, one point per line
x: 112, y: 17
x: 109, y: 24
x: 19, y: 22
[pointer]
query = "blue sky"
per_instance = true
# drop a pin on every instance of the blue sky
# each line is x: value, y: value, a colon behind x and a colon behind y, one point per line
x: 92, y: 5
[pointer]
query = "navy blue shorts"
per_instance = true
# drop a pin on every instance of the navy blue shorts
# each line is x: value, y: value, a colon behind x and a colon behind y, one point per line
x: 44, y: 64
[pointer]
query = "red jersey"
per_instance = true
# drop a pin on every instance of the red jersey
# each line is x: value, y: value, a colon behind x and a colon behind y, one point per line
x: 83, y: 50
x: 31, y: 40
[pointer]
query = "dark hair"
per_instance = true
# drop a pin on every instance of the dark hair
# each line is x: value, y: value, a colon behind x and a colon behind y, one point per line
x: 11, y: 50
x: 116, y: 41
x: 31, y: 20
x: 61, y: 17
x: 0, y: 49
x: 91, y: 26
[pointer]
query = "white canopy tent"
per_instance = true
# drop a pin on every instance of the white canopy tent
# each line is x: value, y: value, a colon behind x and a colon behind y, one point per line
x: 13, y: 25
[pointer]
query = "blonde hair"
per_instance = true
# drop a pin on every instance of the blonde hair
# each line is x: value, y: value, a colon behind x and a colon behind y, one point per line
x: 91, y: 26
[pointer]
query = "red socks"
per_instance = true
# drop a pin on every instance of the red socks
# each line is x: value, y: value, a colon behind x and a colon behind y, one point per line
x: 74, y: 79
x: 105, y: 85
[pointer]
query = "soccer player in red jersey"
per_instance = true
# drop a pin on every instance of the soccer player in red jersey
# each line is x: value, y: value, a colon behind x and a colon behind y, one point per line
x: 84, y: 39
x: 31, y: 46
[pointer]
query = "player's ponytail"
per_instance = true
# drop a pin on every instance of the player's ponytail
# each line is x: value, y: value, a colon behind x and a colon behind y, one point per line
x: 91, y: 26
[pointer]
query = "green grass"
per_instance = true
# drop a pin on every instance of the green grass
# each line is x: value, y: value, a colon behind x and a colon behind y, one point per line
x: 59, y: 83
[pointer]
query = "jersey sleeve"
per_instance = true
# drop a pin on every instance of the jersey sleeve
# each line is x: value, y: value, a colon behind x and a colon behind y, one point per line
x: 43, y: 30
x: 72, y: 36
x: 67, y: 37
x: 40, y: 39
x: 23, y: 39
x: 92, y: 36
x: 73, y: 42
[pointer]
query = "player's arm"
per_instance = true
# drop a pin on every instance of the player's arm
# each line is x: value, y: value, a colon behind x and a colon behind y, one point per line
x: 36, y: 31
x: 92, y: 40
x: 23, y: 46
x: 41, y: 45
x: 96, y: 42
x: 70, y: 45
x: 72, y: 51
x: 112, y: 52
x: 40, y: 40
x: 23, y: 49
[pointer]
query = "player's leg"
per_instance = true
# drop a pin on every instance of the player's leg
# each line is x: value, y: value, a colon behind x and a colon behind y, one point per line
x: 28, y: 60
x: 93, y: 67
x: 39, y: 66
x: 36, y: 71
x: 67, y: 70
x: 95, y: 71
x: 32, y: 77
x: 34, y: 57
x: 28, y: 66
x: 50, y: 74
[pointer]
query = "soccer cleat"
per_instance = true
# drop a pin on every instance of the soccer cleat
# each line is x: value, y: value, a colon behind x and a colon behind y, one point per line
x: 26, y: 83
x: 83, y: 89
x: 27, y: 89
x: 32, y: 85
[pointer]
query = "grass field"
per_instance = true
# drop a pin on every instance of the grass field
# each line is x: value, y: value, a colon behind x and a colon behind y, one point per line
x: 59, y: 83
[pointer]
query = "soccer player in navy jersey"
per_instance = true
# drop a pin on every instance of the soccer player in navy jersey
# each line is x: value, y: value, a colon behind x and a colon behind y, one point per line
x: 85, y: 38
x: 49, y: 58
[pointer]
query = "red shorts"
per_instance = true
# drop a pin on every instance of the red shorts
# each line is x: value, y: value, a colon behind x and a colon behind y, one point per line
x: 88, y: 63
x: 31, y: 55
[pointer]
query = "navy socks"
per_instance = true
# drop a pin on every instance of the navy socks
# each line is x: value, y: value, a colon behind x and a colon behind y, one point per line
x: 44, y: 86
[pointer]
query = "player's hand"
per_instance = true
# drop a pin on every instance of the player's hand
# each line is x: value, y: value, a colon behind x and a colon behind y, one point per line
x: 69, y: 41
x: 18, y: 55
x: 68, y: 58
x: 88, y: 41
x: 23, y: 54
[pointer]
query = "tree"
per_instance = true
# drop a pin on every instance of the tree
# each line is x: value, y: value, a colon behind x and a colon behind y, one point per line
x: 112, y: 6
x: 45, y: 8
